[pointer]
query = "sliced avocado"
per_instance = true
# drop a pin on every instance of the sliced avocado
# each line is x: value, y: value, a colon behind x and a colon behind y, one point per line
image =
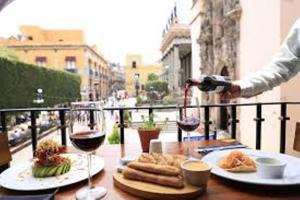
x: 43, y: 172
x: 60, y: 170
x: 66, y: 168
x: 69, y: 167
x: 36, y: 171
x: 52, y: 171
x: 47, y: 171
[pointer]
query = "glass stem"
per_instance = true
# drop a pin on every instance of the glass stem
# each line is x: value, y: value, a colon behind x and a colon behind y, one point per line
x: 89, y: 169
x: 189, y: 145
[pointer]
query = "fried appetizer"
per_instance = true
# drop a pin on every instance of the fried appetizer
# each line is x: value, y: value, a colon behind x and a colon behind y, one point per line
x: 172, y: 181
x: 154, y: 168
x: 160, y: 159
x: 237, y: 161
x: 48, y: 161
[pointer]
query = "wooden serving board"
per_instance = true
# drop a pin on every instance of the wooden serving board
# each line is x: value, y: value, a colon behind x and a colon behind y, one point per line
x: 154, y: 191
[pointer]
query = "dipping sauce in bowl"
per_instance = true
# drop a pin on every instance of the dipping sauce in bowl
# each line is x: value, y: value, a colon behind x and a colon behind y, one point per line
x: 270, y: 167
x: 196, y: 172
x: 196, y: 165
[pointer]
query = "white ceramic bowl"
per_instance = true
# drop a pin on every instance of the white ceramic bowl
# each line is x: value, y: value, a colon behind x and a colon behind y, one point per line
x: 270, y: 167
x: 198, y: 176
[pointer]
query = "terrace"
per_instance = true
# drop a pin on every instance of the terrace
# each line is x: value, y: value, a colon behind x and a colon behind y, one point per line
x: 112, y: 153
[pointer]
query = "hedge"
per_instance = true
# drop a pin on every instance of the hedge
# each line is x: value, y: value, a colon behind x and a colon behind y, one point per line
x: 19, y: 82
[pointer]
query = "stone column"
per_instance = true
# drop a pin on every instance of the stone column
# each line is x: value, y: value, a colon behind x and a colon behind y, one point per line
x: 169, y: 70
x: 172, y: 69
x: 176, y: 67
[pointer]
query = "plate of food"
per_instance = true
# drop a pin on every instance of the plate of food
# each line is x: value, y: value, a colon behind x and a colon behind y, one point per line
x: 156, y: 176
x: 255, y: 167
x: 51, y: 168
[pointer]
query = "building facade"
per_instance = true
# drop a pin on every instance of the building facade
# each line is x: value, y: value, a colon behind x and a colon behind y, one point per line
x: 117, y: 77
x: 237, y: 38
x: 176, y: 53
x: 64, y: 50
x: 176, y: 56
x: 136, y: 74
x: 215, y: 27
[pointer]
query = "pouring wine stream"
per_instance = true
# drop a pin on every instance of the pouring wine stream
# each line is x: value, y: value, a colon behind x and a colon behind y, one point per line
x: 188, y: 124
x: 207, y: 83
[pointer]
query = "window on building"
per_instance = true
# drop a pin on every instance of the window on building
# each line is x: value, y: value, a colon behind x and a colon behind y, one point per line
x: 136, y: 76
x: 70, y: 62
x: 133, y: 64
x: 41, y: 61
x: 30, y: 38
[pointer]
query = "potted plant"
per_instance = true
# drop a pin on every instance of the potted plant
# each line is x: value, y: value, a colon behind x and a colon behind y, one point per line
x: 148, y: 131
x: 114, y: 137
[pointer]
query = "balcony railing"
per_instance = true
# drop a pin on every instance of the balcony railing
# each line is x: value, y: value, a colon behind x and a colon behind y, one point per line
x: 207, y: 122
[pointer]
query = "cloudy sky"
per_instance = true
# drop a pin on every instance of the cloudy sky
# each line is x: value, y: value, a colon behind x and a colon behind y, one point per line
x: 118, y: 27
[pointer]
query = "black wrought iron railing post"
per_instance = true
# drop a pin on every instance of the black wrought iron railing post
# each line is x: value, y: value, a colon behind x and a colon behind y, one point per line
x: 207, y: 122
x: 3, y: 122
x: 283, y: 118
x: 33, y: 130
x: 92, y: 119
x: 259, y: 121
x: 122, y: 125
x: 63, y: 127
x: 150, y: 111
x: 234, y: 121
x: 179, y: 131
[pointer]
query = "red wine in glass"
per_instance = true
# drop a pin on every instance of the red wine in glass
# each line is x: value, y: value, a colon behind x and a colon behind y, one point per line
x: 188, y: 124
x: 87, y: 140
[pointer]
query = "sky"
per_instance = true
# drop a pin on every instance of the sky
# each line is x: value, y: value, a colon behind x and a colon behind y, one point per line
x: 117, y: 27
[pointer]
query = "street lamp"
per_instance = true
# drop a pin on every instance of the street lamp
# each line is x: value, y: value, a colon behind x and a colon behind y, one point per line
x: 38, y: 96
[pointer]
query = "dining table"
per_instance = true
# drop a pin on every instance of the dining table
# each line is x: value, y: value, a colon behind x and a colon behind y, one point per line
x: 217, y: 188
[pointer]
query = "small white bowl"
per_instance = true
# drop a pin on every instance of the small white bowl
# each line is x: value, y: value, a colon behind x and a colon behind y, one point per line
x: 270, y: 167
x: 196, y: 176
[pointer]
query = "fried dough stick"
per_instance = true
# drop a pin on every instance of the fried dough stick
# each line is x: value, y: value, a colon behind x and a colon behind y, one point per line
x: 172, y: 181
x: 156, y: 169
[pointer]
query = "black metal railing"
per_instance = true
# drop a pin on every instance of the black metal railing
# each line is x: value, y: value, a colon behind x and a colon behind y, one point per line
x: 207, y: 122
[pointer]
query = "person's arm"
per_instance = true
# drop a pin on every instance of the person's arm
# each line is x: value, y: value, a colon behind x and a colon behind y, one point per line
x: 283, y: 67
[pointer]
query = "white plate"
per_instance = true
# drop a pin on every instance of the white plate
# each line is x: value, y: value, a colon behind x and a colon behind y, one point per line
x: 291, y: 173
x: 19, y: 177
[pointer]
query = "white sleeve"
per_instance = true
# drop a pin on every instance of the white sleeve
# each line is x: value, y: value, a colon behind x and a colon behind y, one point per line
x: 283, y: 67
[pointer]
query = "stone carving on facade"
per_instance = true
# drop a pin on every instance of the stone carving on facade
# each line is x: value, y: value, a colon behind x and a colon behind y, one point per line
x: 219, y: 37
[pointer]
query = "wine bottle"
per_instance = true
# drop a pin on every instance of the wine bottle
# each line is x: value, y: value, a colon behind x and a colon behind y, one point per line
x: 210, y: 83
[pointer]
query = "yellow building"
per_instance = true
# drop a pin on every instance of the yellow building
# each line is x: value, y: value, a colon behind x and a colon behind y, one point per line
x: 136, y: 73
x: 64, y: 50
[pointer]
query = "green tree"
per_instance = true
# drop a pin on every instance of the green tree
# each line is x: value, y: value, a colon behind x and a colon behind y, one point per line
x: 159, y: 86
x: 9, y: 54
x: 152, y: 77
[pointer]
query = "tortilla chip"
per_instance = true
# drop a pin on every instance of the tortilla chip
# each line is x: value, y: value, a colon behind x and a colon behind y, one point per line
x: 237, y: 161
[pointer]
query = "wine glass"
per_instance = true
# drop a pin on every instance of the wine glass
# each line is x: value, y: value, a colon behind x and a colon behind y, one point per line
x: 87, y: 137
x: 189, y: 121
